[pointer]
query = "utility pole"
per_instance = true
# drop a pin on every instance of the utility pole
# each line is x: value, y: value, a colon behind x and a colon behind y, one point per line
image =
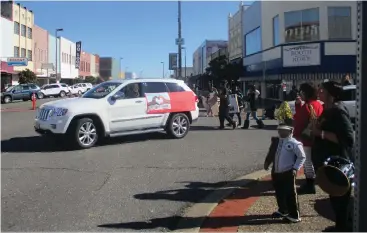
x: 360, y: 192
x: 56, y: 56
x: 179, y: 42
x: 162, y: 69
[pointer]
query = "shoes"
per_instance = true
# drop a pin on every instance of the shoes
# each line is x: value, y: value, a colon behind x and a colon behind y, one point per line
x: 234, y: 124
x: 307, y: 188
x: 278, y: 214
x: 260, y: 124
x: 292, y: 219
x: 246, y: 124
x: 221, y: 127
x: 330, y: 229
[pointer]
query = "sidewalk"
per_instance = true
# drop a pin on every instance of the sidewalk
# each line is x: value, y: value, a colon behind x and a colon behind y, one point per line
x: 249, y: 209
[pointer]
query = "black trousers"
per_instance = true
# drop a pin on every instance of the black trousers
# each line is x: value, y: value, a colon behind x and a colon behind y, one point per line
x: 340, y: 206
x: 224, y: 115
x: 286, y: 193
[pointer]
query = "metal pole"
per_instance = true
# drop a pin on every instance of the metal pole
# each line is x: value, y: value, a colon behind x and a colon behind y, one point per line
x: 185, y: 66
x: 360, y: 192
x: 121, y: 67
x: 179, y: 44
x: 162, y: 69
x: 56, y: 56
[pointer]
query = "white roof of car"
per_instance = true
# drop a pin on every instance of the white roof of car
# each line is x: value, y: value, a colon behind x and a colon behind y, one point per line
x: 172, y: 80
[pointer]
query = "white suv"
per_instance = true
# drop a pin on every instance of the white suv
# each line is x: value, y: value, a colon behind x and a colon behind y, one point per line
x: 56, y: 89
x: 84, y: 87
x: 120, y: 107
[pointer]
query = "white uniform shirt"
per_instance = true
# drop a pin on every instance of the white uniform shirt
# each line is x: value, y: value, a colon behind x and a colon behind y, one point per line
x: 289, y: 155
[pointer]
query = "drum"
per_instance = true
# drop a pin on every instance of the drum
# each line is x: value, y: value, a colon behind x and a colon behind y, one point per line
x: 336, y: 176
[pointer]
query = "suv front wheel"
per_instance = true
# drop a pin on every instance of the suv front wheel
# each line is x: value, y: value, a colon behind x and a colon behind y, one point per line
x: 83, y: 133
x: 178, y: 125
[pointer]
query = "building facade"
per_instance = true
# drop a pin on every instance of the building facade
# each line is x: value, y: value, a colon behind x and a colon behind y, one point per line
x: 93, y: 68
x: 109, y: 68
x: 291, y: 42
x: 67, y: 54
x: 23, y: 20
x: 235, y: 34
x: 84, y: 67
x: 6, y: 50
x: 52, y: 43
x: 40, y: 48
x: 200, y: 55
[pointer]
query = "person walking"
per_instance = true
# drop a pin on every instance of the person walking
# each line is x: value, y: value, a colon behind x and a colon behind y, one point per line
x: 346, y: 81
x: 305, y: 113
x: 211, y: 100
x: 334, y: 136
x: 236, y: 90
x: 252, y: 108
x: 224, y: 108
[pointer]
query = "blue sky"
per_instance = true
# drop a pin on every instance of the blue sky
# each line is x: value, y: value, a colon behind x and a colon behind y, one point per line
x: 143, y: 33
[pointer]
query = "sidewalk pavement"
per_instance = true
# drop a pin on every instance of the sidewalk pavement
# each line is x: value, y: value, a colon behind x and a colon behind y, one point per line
x: 249, y: 208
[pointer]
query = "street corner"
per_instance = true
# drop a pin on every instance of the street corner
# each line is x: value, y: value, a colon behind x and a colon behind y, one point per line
x: 248, y: 208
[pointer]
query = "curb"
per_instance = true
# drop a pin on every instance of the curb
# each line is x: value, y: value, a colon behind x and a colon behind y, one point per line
x: 16, y: 110
x: 200, y: 211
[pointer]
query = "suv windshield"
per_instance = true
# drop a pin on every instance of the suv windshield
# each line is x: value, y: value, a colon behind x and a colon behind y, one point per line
x: 102, y: 90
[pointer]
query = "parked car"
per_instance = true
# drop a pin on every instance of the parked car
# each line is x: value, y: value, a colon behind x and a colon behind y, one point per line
x: 55, y: 90
x: 75, y: 90
x: 120, y: 107
x: 19, y: 92
x: 84, y: 87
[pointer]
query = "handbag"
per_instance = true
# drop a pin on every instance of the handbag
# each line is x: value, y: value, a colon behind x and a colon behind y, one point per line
x: 307, y: 132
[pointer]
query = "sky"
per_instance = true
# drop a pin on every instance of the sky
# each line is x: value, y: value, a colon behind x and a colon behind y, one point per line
x: 142, y: 33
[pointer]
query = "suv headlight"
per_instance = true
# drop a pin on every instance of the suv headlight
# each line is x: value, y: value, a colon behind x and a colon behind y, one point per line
x: 59, y: 112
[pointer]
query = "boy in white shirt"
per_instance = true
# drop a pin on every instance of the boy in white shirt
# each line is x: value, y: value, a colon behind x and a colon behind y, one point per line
x: 287, y: 156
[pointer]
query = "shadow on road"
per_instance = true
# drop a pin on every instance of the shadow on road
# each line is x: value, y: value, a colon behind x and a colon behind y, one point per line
x: 209, y: 128
x: 43, y: 144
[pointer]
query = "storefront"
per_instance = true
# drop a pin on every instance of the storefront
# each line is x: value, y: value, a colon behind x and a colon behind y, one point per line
x: 7, y: 73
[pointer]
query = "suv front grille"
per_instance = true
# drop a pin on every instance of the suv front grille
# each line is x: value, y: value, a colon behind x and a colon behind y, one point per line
x: 44, y: 114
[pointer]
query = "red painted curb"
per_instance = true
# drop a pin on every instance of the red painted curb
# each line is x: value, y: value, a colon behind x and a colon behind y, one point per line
x: 227, y: 216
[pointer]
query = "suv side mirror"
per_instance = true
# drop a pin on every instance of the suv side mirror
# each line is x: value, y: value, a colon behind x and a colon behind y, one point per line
x: 117, y: 96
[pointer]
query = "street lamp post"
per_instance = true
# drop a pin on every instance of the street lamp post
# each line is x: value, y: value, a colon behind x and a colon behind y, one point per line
x: 56, y: 65
x: 162, y: 68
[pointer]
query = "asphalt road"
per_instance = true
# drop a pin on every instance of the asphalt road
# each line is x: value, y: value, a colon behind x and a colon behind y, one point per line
x: 127, y: 184
x: 24, y: 105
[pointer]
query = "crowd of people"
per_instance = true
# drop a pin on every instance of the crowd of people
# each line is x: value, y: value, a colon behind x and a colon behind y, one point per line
x: 319, y: 130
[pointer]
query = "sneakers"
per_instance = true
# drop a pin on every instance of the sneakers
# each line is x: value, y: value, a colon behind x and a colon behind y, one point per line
x: 278, y: 214
x: 292, y: 220
x: 234, y: 124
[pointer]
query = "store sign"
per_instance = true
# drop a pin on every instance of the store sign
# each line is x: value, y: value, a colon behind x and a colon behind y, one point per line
x: 172, y: 61
x: 78, y: 52
x: 17, y: 61
x: 301, y: 55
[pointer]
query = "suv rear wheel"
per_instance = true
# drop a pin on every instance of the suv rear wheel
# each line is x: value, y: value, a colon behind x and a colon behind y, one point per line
x: 7, y: 99
x: 178, y: 125
x: 62, y: 93
x: 83, y: 133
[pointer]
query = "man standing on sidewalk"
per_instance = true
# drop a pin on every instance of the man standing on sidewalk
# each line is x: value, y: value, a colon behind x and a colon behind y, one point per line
x: 224, y: 108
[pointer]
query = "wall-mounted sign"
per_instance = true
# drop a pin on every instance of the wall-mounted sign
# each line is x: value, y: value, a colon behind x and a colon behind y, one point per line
x: 301, y: 55
x: 180, y: 41
x: 78, y: 52
x: 17, y: 61
x: 172, y: 61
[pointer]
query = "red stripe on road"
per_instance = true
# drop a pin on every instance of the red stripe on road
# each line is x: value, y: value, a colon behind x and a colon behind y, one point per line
x: 227, y: 216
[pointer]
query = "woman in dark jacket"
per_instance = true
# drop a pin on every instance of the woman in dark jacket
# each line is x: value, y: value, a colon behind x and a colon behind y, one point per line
x: 252, y: 108
x: 334, y: 136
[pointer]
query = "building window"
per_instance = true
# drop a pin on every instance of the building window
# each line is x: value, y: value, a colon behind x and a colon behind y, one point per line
x: 63, y: 57
x: 253, y: 41
x: 40, y: 54
x: 69, y: 59
x: 29, y: 34
x: 302, y: 25
x: 23, y: 53
x: 339, y: 23
x: 16, y: 28
x: 16, y: 51
x: 23, y: 30
x: 276, y: 30
x: 29, y: 55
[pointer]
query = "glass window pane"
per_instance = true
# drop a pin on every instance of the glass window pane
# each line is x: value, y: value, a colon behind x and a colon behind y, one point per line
x: 339, y: 23
x: 253, y: 42
x: 276, y: 30
x: 310, y: 24
x: 292, y: 23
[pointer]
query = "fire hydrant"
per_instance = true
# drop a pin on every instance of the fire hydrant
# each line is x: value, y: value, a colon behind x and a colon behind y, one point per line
x: 34, y: 101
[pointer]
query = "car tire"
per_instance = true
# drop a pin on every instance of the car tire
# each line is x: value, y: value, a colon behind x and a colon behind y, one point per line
x: 62, y: 94
x: 178, y: 126
x: 40, y: 95
x: 7, y: 99
x: 83, y: 127
x: 80, y: 92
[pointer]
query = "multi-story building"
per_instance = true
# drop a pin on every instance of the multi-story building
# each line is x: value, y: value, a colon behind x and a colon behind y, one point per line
x: 235, y: 34
x: 52, y: 44
x: 6, y: 50
x: 84, y: 66
x: 23, y: 35
x: 291, y: 42
x: 109, y: 68
x: 67, y: 55
x: 40, y: 55
x: 94, y: 70
x: 96, y: 59
x: 200, y: 55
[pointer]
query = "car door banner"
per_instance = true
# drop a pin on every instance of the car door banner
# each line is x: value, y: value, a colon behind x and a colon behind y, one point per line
x: 159, y: 103
x: 77, y: 56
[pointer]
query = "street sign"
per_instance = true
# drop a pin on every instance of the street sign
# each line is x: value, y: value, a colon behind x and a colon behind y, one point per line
x: 172, y: 61
x: 17, y: 61
x: 180, y: 41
